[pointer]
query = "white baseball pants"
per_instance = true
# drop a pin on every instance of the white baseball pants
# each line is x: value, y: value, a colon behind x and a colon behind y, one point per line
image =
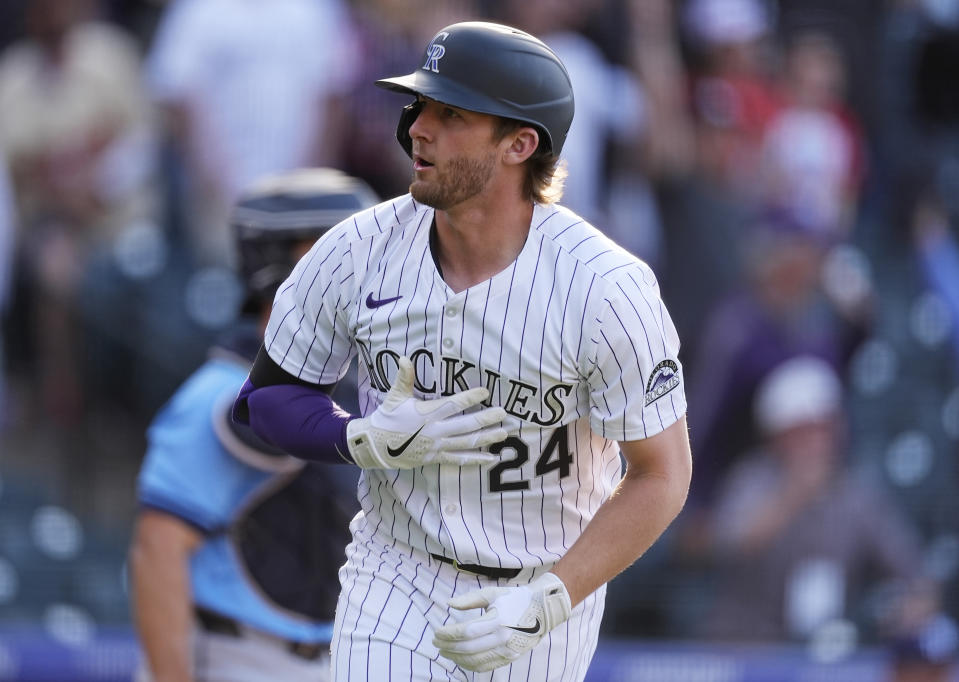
x: 394, y: 596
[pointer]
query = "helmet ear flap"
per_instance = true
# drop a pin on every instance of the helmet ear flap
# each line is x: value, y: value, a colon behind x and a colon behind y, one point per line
x: 409, y: 114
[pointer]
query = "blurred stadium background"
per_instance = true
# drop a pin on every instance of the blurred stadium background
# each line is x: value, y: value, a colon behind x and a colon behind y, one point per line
x: 697, y: 149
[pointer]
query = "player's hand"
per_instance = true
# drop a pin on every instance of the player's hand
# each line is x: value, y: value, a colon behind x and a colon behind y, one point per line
x: 515, y: 619
x: 405, y: 432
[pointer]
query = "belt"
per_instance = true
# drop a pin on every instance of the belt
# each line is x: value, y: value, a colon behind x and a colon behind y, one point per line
x: 493, y: 572
x: 219, y: 624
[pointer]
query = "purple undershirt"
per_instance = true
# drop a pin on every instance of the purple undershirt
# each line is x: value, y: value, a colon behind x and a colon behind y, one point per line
x: 302, y: 421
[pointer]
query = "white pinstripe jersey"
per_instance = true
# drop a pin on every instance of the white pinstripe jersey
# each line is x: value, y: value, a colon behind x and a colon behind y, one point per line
x: 572, y: 340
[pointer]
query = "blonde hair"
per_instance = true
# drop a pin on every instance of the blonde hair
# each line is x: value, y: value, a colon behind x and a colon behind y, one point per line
x: 545, y: 172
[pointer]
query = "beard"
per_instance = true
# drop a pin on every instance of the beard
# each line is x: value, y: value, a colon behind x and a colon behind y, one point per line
x: 460, y: 180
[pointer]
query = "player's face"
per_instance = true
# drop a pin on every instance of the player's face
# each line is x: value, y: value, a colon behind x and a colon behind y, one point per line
x: 454, y: 155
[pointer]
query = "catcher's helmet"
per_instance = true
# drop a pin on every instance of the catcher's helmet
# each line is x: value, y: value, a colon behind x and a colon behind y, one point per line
x: 492, y: 69
x: 280, y: 211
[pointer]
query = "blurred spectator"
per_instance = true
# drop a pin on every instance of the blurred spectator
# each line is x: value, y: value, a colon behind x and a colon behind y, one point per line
x: 708, y: 194
x: 734, y: 63
x: 391, y: 35
x: 781, y: 310
x: 703, y: 218
x: 610, y: 116
x: 657, y: 58
x: 76, y: 132
x: 813, y: 149
x: 853, y: 26
x: 800, y: 538
x: 249, y: 88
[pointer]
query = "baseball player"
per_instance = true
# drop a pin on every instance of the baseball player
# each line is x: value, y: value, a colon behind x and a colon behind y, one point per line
x: 237, y: 546
x: 509, y: 355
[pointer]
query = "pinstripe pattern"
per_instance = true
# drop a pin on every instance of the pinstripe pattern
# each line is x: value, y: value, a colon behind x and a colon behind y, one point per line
x: 569, y: 339
x: 565, y: 338
x: 394, y: 596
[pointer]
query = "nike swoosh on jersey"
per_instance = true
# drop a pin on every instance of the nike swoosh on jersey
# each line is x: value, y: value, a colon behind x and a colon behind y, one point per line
x: 532, y: 630
x: 396, y: 452
x: 377, y: 302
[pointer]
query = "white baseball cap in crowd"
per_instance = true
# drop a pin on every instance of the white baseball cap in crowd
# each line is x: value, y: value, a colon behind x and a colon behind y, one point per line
x: 801, y: 390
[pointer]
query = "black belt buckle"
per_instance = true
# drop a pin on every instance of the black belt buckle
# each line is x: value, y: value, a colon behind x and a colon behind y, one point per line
x: 492, y: 572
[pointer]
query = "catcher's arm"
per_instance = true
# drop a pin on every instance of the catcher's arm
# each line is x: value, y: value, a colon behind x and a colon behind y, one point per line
x: 162, y: 600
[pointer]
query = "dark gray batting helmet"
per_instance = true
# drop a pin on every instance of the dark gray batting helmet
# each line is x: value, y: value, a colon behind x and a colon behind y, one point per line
x: 279, y: 212
x: 491, y: 69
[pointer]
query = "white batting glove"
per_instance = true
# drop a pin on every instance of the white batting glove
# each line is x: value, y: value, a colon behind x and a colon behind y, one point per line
x: 405, y: 432
x: 514, y: 621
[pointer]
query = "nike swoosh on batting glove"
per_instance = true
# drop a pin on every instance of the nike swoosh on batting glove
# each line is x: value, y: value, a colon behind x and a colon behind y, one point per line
x: 514, y: 621
x: 406, y: 432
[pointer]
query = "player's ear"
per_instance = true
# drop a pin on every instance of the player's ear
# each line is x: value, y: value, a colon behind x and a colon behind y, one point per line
x: 522, y: 143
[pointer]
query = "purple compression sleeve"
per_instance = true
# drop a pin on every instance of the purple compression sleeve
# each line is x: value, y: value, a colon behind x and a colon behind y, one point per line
x: 302, y: 421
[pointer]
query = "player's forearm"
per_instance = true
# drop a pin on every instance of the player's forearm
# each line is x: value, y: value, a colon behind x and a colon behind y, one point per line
x: 402, y: 433
x: 162, y: 608
x: 623, y: 529
x: 645, y: 503
x: 305, y: 422
x: 294, y: 415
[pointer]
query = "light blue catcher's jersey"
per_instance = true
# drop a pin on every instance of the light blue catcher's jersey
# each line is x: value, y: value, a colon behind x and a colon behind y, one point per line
x: 189, y: 473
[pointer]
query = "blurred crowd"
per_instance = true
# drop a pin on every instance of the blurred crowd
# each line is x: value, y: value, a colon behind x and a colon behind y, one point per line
x: 790, y: 169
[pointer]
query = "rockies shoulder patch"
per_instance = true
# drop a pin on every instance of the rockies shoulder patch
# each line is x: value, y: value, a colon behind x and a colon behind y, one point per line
x: 664, y: 378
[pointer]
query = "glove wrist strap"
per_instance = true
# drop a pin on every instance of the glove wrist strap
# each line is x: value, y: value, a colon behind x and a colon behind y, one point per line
x: 556, y: 601
x: 359, y: 446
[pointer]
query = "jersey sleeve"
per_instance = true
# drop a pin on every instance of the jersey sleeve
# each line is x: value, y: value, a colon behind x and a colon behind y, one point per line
x: 636, y: 381
x: 308, y: 333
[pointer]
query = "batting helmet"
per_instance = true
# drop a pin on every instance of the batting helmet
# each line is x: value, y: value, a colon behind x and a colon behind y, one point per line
x: 276, y: 214
x: 491, y: 69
